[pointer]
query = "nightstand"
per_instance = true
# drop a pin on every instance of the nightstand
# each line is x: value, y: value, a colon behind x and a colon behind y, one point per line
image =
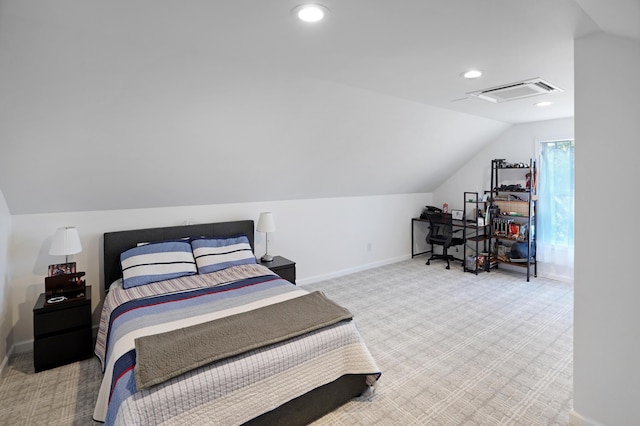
x: 62, y: 331
x: 283, y: 267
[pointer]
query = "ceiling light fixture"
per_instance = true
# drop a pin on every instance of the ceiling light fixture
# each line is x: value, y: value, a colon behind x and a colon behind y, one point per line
x: 310, y: 12
x: 543, y: 103
x: 471, y: 74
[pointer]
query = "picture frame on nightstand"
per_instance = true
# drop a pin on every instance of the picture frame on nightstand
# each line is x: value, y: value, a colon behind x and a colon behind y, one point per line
x: 62, y: 268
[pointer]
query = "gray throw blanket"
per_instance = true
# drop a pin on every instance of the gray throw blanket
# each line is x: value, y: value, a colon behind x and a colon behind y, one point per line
x: 160, y: 357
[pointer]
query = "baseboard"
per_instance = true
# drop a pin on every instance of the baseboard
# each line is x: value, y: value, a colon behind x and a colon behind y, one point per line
x: 5, y: 361
x: 22, y: 347
x: 16, y: 348
x: 359, y: 268
x: 556, y: 277
x: 576, y: 419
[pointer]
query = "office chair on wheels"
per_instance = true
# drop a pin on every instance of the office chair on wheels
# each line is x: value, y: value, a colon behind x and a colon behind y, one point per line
x: 441, y: 234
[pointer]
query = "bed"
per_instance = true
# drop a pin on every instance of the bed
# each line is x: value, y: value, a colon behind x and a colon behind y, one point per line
x: 222, y: 341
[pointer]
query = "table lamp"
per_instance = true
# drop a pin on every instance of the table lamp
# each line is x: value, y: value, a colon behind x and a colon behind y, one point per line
x: 66, y: 242
x: 266, y: 225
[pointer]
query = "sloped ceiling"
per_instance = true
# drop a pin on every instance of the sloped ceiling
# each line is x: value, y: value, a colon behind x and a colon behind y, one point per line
x: 619, y: 17
x: 152, y: 103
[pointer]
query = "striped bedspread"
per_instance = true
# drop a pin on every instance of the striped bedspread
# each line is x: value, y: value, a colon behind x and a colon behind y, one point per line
x: 229, y: 391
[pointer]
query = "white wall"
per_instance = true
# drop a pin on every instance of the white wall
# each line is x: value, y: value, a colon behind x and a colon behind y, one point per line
x: 516, y: 144
x: 125, y: 115
x: 607, y: 294
x: 6, y: 337
x: 326, y: 237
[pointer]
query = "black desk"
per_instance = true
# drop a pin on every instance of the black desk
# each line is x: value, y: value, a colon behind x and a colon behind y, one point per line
x: 413, y: 222
x: 456, y: 224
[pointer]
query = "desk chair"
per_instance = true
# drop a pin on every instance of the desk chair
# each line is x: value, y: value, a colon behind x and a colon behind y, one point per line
x: 441, y: 234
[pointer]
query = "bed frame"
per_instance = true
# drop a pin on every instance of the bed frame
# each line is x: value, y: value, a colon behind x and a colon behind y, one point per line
x: 299, y: 411
x: 117, y: 242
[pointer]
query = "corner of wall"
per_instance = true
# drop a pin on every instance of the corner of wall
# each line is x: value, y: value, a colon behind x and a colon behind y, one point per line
x: 6, y: 327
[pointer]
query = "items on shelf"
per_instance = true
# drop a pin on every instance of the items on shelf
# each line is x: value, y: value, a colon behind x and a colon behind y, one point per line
x: 510, y: 228
x: 503, y: 164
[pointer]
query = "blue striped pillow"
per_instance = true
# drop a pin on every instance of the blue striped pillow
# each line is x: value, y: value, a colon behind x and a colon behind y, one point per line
x: 154, y: 262
x: 215, y: 254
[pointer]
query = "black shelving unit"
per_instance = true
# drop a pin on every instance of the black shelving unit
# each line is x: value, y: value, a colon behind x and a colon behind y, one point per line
x: 512, y: 216
x: 475, y: 233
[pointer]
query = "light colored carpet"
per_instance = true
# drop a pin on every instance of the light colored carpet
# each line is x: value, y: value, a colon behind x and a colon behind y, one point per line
x: 454, y: 349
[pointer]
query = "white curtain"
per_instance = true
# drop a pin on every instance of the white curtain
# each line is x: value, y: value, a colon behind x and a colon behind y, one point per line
x: 555, y: 208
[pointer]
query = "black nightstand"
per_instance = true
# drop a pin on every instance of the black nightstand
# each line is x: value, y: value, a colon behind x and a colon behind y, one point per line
x: 62, y: 331
x: 283, y: 267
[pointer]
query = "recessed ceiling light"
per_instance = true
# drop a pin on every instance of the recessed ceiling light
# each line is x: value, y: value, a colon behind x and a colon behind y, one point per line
x: 543, y: 104
x: 310, y: 12
x: 472, y: 74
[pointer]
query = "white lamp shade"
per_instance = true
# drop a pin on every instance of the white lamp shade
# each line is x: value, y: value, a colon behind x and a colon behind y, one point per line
x: 266, y: 223
x: 66, y: 242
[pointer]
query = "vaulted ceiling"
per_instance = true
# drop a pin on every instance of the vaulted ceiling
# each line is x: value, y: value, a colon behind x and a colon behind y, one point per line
x: 152, y: 103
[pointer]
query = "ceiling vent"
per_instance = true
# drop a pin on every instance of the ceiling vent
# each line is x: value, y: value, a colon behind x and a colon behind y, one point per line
x: 513, y: 91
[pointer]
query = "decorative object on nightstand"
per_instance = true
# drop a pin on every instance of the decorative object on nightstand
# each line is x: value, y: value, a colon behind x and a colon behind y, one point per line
x: 62, y: 331
x: 63, y: 282
x: 266, y: 224
x: 64, y: 287
x: 282, y: 266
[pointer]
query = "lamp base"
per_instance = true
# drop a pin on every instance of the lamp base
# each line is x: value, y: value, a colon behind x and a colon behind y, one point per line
x: 266, y: 258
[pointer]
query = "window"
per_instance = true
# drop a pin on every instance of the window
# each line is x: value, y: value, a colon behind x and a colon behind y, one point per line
x: 555, y: 215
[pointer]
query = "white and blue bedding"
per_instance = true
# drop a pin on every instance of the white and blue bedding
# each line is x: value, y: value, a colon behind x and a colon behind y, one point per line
x: 229, y: 391
x: 154, y: 262
x: 216, y: 254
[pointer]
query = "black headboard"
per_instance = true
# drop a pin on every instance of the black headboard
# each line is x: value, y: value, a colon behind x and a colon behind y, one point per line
x: 117, y: 242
